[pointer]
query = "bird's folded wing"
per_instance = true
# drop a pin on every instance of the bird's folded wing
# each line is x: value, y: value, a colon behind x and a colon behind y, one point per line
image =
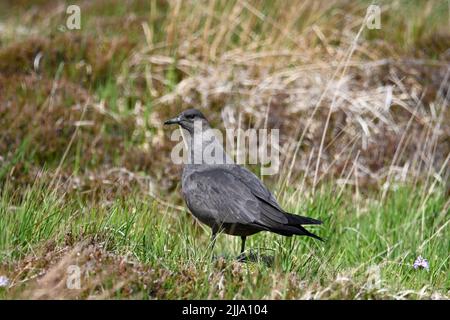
x: 268, y: 204
x: 218, y: 193
x: 255, y: 184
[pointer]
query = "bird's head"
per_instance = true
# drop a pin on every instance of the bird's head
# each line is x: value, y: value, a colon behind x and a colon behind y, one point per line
x: 188, y: 118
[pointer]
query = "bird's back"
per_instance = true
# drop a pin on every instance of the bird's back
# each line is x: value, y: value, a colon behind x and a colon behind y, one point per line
x: 234, y: 199
x: 211, y: 192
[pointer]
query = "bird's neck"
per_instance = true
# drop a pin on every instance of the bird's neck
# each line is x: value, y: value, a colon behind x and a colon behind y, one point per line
x: 205, y: 148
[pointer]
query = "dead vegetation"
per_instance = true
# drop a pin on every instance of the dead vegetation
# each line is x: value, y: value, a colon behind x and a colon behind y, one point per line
x: 49, y: 274
x: 102, y: 275
x: 340, y: 102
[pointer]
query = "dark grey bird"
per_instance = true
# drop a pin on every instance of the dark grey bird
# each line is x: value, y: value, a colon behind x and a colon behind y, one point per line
x: 225, y: 196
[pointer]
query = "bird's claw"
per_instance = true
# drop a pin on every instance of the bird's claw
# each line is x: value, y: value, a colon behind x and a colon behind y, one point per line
x: 242, y: 257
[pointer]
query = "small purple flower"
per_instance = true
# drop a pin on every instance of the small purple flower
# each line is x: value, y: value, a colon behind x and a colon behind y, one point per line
x: 421, y: 263
x: 4, y: 281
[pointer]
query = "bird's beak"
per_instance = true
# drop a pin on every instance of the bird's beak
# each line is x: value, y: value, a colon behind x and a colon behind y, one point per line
x: 175, y: 120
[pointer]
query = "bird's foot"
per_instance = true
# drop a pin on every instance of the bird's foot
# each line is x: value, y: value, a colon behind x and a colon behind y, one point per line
x: 254, y: 257
x: 242, y: 257
x: 247, y: 257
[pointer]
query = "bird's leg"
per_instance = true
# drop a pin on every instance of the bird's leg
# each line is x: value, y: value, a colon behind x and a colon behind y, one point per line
x: 242, y: 256
x: 213, y: 239
x: 243, y: 238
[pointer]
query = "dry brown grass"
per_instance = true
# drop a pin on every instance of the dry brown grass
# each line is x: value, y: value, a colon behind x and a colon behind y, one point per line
x: 45, y: 274
x: 104, y: 275
x: 341, y: 103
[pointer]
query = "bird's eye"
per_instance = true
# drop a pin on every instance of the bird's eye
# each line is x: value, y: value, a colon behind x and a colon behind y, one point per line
x: 190, y: 116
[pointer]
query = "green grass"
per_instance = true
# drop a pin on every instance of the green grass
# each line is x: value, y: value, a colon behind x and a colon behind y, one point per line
x: 359, y: 237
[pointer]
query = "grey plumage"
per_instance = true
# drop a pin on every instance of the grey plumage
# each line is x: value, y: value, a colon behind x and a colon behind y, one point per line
x: 227, y: 197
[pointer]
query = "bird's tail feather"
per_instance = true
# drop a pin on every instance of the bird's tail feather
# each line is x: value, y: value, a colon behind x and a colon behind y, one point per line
x: 299, y: 220
x: 295, y: 219
x: 290, y: 230
x: 309, y: 234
